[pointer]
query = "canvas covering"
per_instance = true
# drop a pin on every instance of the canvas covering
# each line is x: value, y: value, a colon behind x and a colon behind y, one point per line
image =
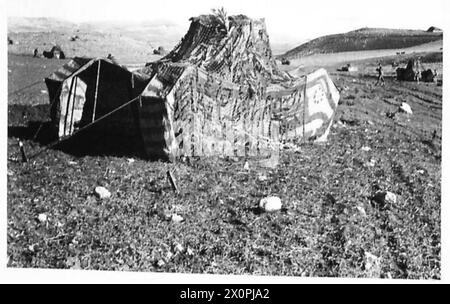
x: 219, y: 92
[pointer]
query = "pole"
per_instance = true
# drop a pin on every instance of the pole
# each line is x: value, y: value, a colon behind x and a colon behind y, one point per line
x: 96, y: 91
x: 22, y: 152
x: 67, y: 105
x: 73, y: 105
x: 172, y: 181
x: 304, y: 107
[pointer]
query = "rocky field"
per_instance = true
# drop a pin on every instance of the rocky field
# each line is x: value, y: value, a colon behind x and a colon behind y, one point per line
x: 364, y: 204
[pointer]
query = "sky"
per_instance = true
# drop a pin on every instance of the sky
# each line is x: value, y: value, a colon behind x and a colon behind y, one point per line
x: 286, y: 20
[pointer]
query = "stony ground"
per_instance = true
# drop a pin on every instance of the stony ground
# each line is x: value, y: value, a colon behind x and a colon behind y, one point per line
x: 330, y: 225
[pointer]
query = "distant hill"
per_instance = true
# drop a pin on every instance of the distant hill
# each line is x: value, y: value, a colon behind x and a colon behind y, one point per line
x: 364, y: 39
x: 44, y: 24
x: 128, y: 42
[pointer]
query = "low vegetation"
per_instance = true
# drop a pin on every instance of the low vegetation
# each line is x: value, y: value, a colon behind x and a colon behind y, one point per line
x: 329, y: 225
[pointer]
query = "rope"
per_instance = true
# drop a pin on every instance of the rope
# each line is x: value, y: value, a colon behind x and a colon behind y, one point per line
x: 84, y: 128
x: 24, y: 88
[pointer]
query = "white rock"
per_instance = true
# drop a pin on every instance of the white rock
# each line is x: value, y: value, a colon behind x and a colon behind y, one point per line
x: 372, y: 265
x: 161, y: 263
x: 385, y: 197
x: 130, y: 160
x: 270, y: 204
x: 190, y: 251
x: 44, y: 91
x: 405, y: 108
x: 42, y: 217
x: 262, y: 177
x: 72, y: 163
x: 366, y: 149
x: 246, y: 166
x: 177, y: 218
x: 390, y: 197
x: 421, y: 171
x: 372, y: 163
x: 102, y: 192
x: 361, y: 210
x: 179, y: 248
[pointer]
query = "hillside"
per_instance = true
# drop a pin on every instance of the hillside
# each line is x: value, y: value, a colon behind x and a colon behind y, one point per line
x: 331, y: 224
x: 364, y: 39
x: 128, y: 42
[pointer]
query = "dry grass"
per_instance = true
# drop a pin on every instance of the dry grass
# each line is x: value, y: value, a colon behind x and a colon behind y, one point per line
x: 321, y: 230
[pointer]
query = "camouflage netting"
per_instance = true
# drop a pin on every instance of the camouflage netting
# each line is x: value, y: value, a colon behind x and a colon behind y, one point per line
x: 236, y: 50
x: 219, y: 92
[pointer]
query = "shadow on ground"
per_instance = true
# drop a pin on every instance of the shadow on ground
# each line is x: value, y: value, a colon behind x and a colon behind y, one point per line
x: 22, y: 124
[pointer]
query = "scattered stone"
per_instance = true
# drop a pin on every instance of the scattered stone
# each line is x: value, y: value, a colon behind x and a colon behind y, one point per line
x: 366, y: 149
x: 32, y: 247
x: 42, y: 218
x: 75, y: 241
x: 371, y: 163
x: 74, y: 263
x: 190, y: 251
x: 405, y: 108
x: 125, y: 268
x: 234, y: 159
x: 179, y: 248
x: 102, y: 192
x: 361, y: 210
x: 385, y: 197
x: 270, y: 204
x: 372, y: 265
x: 262, y: 177
x: 390, y: 197
x: 175, y: 218
x: 160, y: 263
